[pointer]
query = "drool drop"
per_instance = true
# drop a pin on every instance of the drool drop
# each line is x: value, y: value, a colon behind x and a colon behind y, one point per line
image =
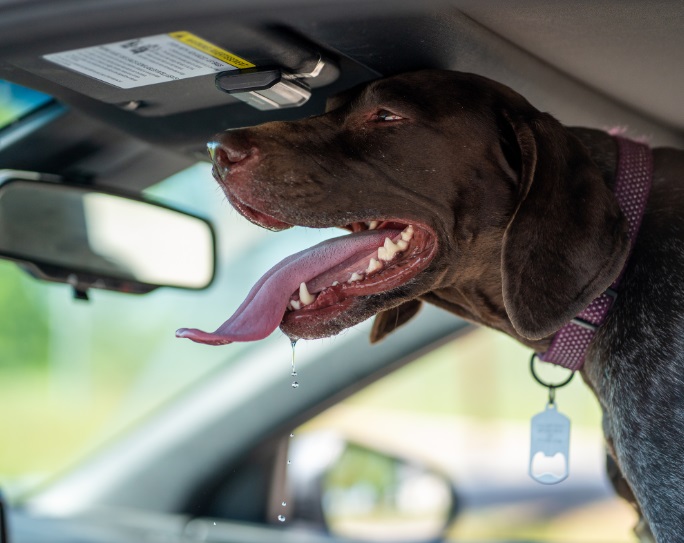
x: 293, y: 343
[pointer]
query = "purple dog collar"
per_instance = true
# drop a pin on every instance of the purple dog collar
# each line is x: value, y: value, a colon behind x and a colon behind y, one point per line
x: 632, y: 186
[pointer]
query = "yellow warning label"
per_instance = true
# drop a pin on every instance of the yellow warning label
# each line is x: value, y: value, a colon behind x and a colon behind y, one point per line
x: 210, y: 49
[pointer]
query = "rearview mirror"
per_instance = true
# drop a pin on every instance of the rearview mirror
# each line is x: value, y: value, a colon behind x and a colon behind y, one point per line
x: 94, y: 238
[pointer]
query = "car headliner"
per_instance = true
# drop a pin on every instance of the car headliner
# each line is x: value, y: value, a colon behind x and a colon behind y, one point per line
x: 592, y: 63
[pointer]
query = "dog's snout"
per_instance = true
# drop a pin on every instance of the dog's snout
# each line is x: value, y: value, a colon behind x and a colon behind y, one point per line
x: 227, y: 151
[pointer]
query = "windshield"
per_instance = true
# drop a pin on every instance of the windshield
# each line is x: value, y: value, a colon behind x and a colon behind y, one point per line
x: 74, y: 373
x: 16, y: 102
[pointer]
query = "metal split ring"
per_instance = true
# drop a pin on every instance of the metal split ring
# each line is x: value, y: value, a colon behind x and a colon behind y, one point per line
x: 551, y: 386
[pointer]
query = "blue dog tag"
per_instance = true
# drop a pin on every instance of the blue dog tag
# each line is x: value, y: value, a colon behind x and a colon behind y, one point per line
x: 549, y: 446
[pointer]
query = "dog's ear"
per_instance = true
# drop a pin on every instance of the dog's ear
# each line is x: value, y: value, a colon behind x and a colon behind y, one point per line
x: 389, y: 320
x: 567, y: 240
x: 338, y: 100
x: 335, y: 101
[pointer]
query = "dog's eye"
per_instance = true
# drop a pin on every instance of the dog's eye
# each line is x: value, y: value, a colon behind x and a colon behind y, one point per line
x: 386, y: 116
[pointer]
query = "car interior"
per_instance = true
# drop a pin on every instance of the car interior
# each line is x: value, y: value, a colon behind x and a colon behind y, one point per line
x: 113, y: 234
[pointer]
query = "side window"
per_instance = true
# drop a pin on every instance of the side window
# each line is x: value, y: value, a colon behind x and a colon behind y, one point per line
x: 382, y: 463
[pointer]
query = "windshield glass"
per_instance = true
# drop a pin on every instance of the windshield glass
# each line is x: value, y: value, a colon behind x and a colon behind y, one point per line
x: 73, y: 373
x: 16, y: 102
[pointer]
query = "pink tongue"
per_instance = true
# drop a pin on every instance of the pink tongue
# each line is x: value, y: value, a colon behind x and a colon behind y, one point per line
x: 265, y: 305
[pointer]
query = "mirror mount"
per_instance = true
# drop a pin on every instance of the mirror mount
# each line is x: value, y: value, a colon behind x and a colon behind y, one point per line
x: 81, y: 294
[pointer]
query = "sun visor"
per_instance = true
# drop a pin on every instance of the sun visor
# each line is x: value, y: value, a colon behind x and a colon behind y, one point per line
x: 174, y: 72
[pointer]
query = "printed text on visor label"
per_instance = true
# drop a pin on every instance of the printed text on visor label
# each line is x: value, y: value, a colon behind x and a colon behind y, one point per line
x: 146, y: 61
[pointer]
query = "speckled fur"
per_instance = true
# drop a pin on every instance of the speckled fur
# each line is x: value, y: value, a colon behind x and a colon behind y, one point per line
x: 636, y: 364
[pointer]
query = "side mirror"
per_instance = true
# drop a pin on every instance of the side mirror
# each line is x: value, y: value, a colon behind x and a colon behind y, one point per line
x: 94, y: 238
x: 355, y: 492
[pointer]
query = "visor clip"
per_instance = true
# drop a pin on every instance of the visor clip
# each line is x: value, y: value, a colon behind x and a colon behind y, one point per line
x: 81, y: 294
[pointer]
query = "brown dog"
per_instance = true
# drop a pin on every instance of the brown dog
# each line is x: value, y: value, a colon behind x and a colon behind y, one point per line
x: 495, y: 212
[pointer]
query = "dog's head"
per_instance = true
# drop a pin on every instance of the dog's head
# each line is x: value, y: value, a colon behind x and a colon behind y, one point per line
x: 493, y: 209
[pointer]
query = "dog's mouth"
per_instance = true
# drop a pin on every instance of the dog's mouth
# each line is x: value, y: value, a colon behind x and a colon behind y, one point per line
x: 396, y: 252
x: 307, y: 291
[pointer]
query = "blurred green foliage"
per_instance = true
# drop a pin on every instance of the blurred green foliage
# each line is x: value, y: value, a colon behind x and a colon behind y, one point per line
x: 359, y: 464
x: 23, y: 320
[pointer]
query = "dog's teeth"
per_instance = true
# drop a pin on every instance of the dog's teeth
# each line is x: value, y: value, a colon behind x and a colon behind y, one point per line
x: 295, y: 304
x: 355, y: 277
x: 391, y: 248
x: 407, y: 234
x: 335, y: 283
x: 373, y: 265
x: 372, y: 225
x: 304, y: 295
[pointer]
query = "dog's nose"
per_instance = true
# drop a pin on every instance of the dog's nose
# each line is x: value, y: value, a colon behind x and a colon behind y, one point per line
x: 227, y: 151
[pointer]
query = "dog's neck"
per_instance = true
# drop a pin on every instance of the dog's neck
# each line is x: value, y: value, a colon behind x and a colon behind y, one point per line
x: 602, y: 149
